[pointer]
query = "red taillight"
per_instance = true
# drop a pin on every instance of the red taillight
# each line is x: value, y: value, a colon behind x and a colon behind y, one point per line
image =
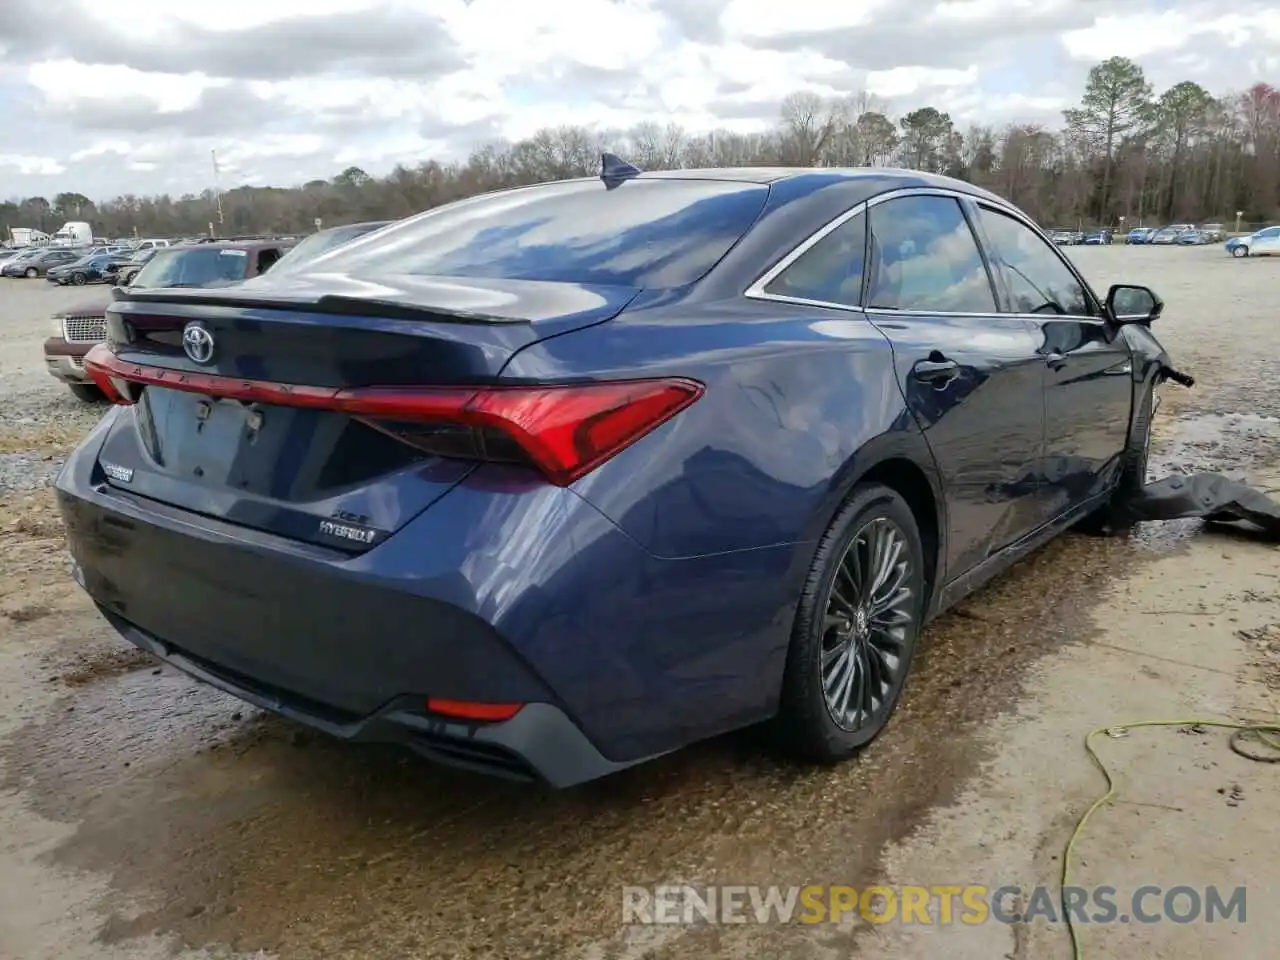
x: 566, y: 430
x: 467, y: 710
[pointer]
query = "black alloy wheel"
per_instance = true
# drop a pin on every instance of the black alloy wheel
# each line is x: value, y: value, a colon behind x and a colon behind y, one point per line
x: 856, y: 628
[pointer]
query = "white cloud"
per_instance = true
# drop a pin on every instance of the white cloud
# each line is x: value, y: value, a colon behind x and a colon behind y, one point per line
x: 29, y: 166
x: 1140, y: 35
x: 297, y: 89
x: 768, y: 18
x: 66, y: 82
x: 903, y: 81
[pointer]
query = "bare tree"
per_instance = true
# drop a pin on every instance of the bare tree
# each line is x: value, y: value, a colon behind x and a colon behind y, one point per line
x: 808, y: 124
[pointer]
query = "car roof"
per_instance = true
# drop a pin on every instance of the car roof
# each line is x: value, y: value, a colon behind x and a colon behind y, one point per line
x: 876, y: 179
x: 372, y: 224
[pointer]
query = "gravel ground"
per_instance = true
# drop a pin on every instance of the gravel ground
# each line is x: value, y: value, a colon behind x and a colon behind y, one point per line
x: 143, y: 816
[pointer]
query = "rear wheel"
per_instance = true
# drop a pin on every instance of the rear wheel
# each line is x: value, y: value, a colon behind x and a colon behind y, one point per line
x: 86, y: 392
x: 856, y: 628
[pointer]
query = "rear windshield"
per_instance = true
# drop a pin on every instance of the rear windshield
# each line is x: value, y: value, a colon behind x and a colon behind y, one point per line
x: 199, y: 267
x: 644, y: 233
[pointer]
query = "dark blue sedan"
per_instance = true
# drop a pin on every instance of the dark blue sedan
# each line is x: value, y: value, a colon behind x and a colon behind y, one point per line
x: 554, y: 480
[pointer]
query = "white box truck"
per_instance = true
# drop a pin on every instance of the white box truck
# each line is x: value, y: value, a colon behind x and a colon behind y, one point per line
x: 74, y: 233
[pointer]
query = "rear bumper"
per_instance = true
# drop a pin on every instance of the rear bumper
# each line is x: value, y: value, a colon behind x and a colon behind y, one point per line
x: 501, y: 592
x: 540, y: 743
x: 341, y: 656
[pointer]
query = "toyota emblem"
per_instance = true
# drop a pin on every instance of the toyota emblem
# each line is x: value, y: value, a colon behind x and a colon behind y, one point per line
x: 198, y: 342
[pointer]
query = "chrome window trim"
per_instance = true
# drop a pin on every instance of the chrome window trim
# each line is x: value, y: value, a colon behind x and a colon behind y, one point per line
x: 1041, y: 317
x: 805, y: 302
x: 756, y: 290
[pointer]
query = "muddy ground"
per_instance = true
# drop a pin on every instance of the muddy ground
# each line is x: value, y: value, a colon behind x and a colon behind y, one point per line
x: 143, y: 816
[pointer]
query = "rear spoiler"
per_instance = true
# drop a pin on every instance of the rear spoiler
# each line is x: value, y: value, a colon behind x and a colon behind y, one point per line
x: 332, y: 304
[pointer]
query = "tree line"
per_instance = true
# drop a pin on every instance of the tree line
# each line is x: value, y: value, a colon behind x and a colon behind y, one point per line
x: 1123, y: 152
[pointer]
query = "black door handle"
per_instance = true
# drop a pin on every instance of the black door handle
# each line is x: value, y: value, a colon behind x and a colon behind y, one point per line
x: 1056, y: 361
x: 936, y: 371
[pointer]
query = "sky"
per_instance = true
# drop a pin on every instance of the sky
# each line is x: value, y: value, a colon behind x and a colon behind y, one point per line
x: 107, y: 99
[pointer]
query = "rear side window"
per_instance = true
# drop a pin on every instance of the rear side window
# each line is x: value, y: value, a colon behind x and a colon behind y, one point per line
x: 645, y: 233
x: 831, y: 270
x: 924, y: 257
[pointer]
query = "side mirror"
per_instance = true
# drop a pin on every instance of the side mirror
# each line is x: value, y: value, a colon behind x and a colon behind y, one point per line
x: 1128, y: 303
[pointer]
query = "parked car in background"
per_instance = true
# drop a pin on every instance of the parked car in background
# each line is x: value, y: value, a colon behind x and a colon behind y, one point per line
x: 1062, y: 237
x: 97, y: 248
x: 1098, y: 237
x: 77, y: 329
x: 1192, y: 236
x: 87, y: 269
x: 548, y: 508
x: 151, y: 244
x: 322, y: 241
x: 39, y: 263
x: 1166, y: 235
x: 17, y: 256
x: 1140, y: 235
x: 124, y: 269
x: 1264, y: 243
x: 1214, y: 232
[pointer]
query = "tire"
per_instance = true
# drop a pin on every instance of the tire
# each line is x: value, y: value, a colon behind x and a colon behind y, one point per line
x: 78, y: 279
x: 1134, y: 462
x: 127, y: 279
x: 1137, y: 453
x: 86, y: 392
x: 31, y: 273
x: 806, y: 723
x: 1240, y: 251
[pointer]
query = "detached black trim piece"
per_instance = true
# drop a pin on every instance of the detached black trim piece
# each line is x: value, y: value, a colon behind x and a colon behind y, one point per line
x: 540, y: 743
x: 1209, y: 496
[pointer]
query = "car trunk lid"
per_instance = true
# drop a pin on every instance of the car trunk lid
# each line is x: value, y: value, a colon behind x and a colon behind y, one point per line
x: 250, y: 420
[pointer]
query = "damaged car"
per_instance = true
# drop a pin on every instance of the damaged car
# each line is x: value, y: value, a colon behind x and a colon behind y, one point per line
x: 548, y: 482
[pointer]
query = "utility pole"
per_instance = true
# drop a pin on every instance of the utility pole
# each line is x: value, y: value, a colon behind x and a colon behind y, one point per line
x: 217, y: 188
